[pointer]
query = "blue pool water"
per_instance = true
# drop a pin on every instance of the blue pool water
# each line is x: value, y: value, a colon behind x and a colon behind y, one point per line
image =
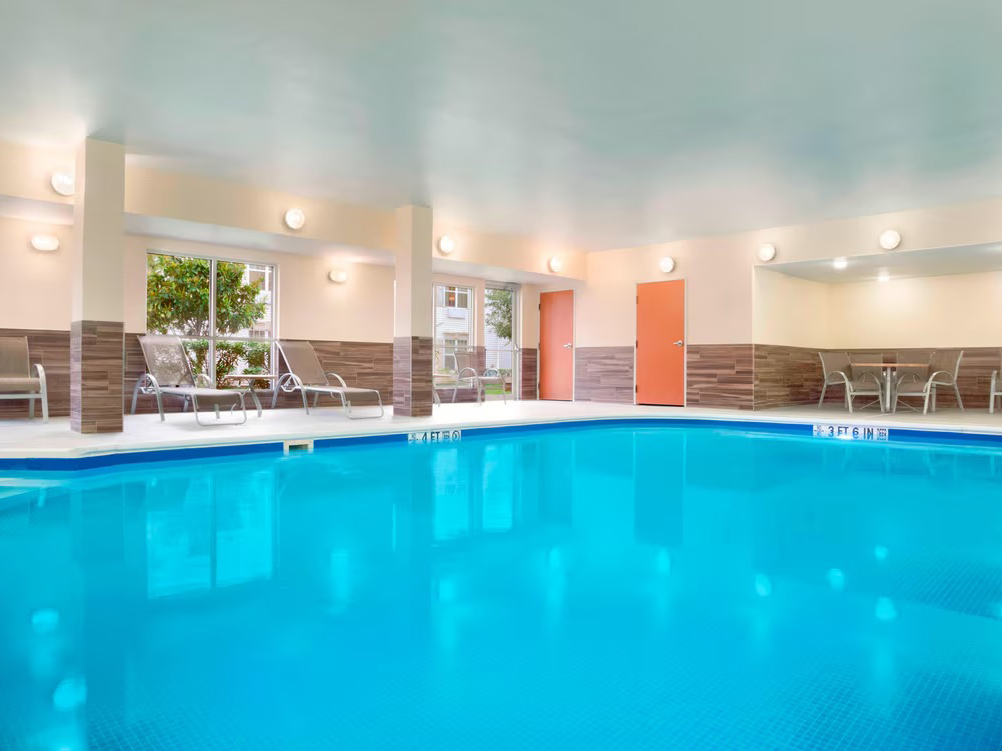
x: 601, y: 588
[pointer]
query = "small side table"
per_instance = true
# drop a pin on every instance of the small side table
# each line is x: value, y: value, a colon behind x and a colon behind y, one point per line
x: 249, y: 379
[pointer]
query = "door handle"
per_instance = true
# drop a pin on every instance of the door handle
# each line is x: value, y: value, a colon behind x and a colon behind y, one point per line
x: 679, y: 343
x: 567, y: 346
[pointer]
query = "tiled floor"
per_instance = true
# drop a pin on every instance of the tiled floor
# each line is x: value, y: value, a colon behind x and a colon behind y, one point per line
x: 24, y: 438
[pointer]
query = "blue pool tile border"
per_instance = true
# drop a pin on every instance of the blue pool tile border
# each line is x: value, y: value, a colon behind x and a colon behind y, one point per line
x: 118, y: 458
x: 98, y: 461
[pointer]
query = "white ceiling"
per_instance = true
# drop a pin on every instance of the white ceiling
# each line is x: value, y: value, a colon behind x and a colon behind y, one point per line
x: 607, y: 124
x: 901, y: 264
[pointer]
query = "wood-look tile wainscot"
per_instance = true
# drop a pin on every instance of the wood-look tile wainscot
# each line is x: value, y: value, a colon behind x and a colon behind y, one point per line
x: 363, y: 364
x: 50, y: 349
x: 412, y: 376
x: 96, y: 376
x: 529, y: 372
x: 603, y: 374
x: 720, y: 375
x: 787, y: 376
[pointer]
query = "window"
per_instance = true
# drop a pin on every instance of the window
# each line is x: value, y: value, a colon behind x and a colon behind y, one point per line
x: 224, y: 311
x: 453, y: 329
x: 500, y: 325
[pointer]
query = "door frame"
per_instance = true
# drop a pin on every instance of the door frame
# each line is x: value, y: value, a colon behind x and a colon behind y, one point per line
x: 574, y: 345
x: 685, y: 336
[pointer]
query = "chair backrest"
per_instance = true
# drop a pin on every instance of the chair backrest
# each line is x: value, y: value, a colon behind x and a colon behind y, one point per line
x: 921, y: 373
x: 466, y: 358
x: 166, y: 360
x: 948, y: 361
x: 14, y: 357
x: 832, y: 361
x: 303, y: 362
x: 858, y: 371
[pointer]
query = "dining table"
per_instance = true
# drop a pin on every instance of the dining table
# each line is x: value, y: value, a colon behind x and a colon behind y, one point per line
x: 888, y: 368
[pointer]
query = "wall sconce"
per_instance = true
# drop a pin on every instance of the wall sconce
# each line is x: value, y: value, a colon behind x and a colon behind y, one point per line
x: 667, y: 264
x: 63, y: 183
x: 766, y: 252
x: 338, y: 276
x: 555, y: 265
x: 295, y: 219
x: 840, y: 263
x: 446, y: 245
x: 890, y: 239
x: 45, y: 243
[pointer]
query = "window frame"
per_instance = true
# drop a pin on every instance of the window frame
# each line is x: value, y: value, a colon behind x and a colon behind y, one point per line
x: 214, y: 336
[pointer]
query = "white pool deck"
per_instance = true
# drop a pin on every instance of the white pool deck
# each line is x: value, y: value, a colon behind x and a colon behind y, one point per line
x: 33, y: 439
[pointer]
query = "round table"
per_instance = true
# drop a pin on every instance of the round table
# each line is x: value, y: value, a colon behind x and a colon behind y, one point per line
x: 888, y: 368
x: 249, y: 379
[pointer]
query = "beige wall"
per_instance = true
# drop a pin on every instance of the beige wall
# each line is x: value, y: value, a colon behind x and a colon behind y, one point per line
x: 26, y: 172
x: 790, y: 311
x: 194, y: 198
x: 963, y: 310
x: 35, y: 287
x: 310, y: 306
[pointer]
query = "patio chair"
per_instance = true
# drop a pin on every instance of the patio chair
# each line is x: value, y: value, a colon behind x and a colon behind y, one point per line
x: 16, y: 380
x: 837, y: 367
x: 944, y: 369
x: 466, y: 373
x: 306, y: 375
x: 996, y: 391
x: 168, y: 373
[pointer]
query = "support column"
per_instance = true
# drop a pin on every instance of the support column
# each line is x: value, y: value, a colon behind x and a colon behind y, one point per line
x: 412, y: 327
x: 97, y: 329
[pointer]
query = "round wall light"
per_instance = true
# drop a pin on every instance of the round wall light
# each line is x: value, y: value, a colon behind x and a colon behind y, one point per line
x: 555, y: 265
x: 338, y: 276
x: 63, y: 183
x: 667, y: 264
x: 295, y: 219
x: 890, y: 239
x: 766, y: 252
x: 840, y: 263
x: 446, y: 245
x: 45, y: 243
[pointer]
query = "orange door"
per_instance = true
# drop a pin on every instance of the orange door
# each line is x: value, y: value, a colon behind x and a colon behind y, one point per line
x: 661, y: 343
x: 556, y: 345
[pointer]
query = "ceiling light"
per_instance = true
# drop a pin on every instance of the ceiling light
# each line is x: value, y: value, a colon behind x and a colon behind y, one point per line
x: 555, y: 265
x: 295, y: 219
x: 667, y: 264
x: 339, y: 276
x: 446, y: 245
x: 767, y: 252
x: 63, y: 183
x: 890, y: 239
x: 883, y: 276
x: 839, y: 264
x: 46, y: 243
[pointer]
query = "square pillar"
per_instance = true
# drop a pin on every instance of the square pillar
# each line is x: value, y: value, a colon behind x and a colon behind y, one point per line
x: 412, y: 325
x: 97, y: 328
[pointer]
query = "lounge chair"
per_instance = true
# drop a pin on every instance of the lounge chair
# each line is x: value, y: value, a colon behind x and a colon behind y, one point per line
x: 16, y: 380
x: 944, y: 369
x: 168, y: 373
x: 306, y: 375
x: 837, y: 367
x: 466, y: 373
x: 995, y: 392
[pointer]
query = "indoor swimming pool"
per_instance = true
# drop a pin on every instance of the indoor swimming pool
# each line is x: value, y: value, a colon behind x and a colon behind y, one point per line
x: 618, y: 587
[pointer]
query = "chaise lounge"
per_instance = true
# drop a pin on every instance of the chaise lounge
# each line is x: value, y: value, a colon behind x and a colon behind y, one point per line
x: 16, y: 380
x: 306, y: 375
x: 168, y: 373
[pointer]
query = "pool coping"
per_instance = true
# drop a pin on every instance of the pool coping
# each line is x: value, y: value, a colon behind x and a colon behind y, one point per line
x: 82, y: 457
